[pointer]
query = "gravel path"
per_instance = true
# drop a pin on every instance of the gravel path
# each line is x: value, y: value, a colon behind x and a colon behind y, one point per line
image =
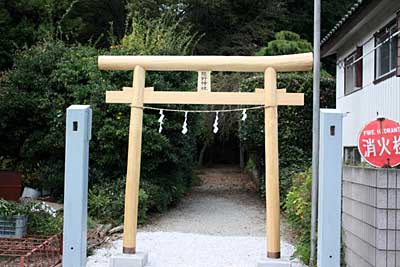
x: 220, y: 223
x: 225, y: 204
x: 170, y: 249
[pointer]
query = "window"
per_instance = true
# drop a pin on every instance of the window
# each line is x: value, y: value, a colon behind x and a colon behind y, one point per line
x: 352, y: 156
x: 386, y: 52
x: 353, y: 72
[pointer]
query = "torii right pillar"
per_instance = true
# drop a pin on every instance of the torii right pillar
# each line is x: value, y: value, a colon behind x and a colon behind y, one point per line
x: 272, y: 165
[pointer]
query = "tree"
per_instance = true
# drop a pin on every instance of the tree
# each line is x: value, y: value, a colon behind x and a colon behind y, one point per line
x: 230, y: 27
x: 285, y: 43
x: 94, y: 21
x: 24, y: 22
x: 300, y: 16
x: 233, y: 27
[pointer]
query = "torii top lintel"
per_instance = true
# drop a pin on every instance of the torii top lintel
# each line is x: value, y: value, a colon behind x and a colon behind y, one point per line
x: 284, y: 63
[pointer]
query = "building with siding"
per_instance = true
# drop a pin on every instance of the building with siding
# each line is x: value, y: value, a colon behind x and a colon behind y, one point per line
x: 367, y: 50
x: 366, y: 46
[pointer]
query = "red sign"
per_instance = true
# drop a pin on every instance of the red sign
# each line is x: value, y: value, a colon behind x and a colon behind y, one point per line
x: 379, y: 143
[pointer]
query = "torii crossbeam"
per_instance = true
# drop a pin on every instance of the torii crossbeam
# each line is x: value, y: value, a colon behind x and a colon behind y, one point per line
x: 270, y: 97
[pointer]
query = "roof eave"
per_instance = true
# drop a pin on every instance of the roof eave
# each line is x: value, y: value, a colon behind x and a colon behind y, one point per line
x: 331, y: 42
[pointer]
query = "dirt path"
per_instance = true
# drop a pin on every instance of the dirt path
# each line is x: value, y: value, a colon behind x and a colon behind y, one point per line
x: 220, y: 223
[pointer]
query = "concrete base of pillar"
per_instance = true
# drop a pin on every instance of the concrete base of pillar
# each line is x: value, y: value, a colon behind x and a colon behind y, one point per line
x: 139, y: 259
x: 274, y: 263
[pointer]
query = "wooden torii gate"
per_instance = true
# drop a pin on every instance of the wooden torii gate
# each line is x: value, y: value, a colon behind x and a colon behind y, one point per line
x: 270, y: 97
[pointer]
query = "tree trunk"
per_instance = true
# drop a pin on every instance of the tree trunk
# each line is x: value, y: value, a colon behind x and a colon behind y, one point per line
x: 202, y: 152
x: 241, y: 148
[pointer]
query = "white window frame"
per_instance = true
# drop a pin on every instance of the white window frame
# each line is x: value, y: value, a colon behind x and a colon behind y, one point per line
x: 384, y: 34
x: 350, y: 66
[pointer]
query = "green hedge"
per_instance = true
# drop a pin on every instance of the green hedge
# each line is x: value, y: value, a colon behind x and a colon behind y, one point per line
x: 49, y: 77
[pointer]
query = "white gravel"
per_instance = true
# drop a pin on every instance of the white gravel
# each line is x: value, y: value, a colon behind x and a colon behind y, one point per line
x: 214, y: 213
x: 220, y: 223
x: 193, y: 250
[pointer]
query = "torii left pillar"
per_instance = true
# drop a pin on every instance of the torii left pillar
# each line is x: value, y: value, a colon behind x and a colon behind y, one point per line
x: 272, y: 174
x: 131, y: 257
x: 272, y: 164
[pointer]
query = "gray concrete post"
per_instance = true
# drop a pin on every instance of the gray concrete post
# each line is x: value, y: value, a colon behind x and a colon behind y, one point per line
x: 330, y: 188
x: 78, y: 134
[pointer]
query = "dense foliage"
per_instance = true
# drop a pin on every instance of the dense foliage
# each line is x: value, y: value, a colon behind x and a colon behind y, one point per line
x: 300, y: 15
x: 243, y: 26
x: 298, y: 210
x: 229, y: 27
x: 41, y: 219
x: 106, y: 202
x: 48, y: 77
x: 23, y: 23
x: 285, y: 43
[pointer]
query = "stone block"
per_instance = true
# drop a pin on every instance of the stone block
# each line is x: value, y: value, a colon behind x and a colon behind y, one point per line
x: 386, y: 198
x: 359, y: 246
x: 359, y: 228
x: 360, y: 211
x: 354, y: 260
x: 387, y: 178
x: 386, y: 239
x: 385, y: 258
x: 139, y: 259
x: 386, y: 219
x: 274, y: 263
x: 359, y: 192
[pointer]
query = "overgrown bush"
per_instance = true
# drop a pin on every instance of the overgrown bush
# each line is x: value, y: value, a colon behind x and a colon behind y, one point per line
x: 298, y: 211
x: 106, y: 202
x: 10, y: 208
x: 41, y: 220
x: 295, y: 126
x: 164, y: 36
x: 50, y: 76
x: 42, y: 223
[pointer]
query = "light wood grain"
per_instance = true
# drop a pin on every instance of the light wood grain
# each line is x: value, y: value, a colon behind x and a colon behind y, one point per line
x: 257, y: 91
x: 261, y: 90
x: 272, y: 163
x: 285, y: 63
x: 205, y: 98
x: 134, y: 159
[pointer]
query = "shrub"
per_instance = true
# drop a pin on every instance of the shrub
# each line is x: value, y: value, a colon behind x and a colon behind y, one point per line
x: 40, y: 220
x: 162, y: 36
x: 106, y: 202
x: 11, y: 208
x: 42, y: 223
x: 49, y: 77
x: 298, y: 211
x: 285, y: 42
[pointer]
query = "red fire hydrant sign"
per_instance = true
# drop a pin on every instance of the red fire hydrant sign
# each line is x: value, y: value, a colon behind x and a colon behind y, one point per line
x: 379, y: 143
